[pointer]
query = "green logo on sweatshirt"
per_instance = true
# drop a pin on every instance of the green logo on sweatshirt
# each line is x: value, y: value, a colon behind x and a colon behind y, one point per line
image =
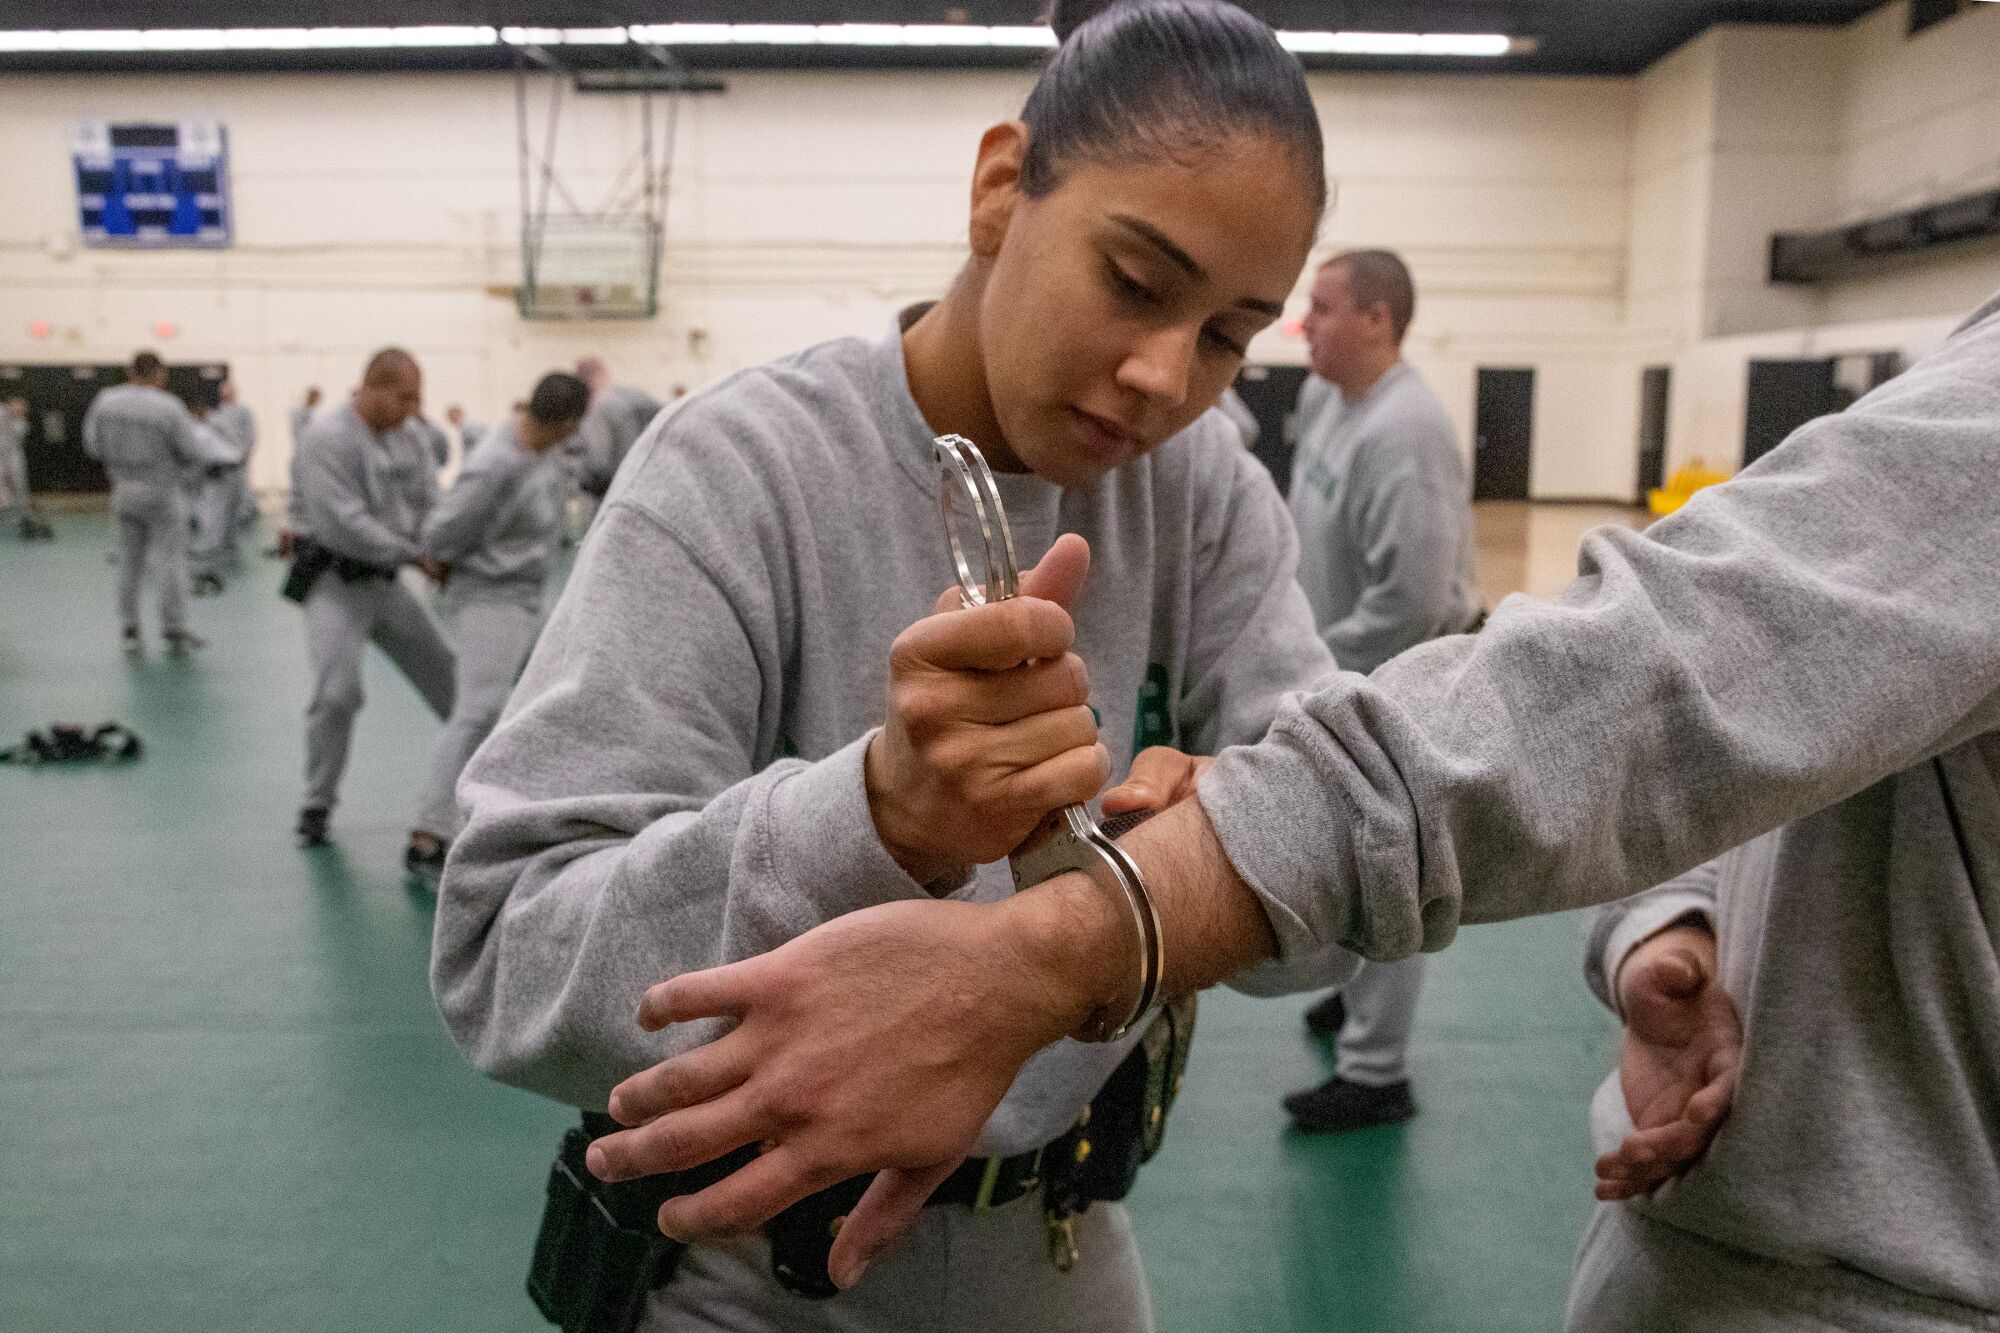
x: 1155, y: 717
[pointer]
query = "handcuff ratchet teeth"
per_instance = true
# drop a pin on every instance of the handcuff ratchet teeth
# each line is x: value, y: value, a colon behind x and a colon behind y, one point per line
x: 1069, y: 839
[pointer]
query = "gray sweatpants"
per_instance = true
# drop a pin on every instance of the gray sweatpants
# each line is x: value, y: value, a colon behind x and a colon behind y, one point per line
x: 1635, y: 1274
x: 955, y: 1271
x: 215, y: 522
x: 492, y: 637
x: 341, y: 619
x: 152, y: 532
x: 1374, y: 1047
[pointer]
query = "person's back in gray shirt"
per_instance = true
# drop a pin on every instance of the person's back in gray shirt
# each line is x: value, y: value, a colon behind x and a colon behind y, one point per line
x: 498, y: 524
x: 144, y: 436
x: 1385, y: 521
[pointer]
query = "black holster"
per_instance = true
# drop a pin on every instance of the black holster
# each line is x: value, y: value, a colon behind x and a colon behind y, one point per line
x: 600, y: 1250
x: 309, y: 561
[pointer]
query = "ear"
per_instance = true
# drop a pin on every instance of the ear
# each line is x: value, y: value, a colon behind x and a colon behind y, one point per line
x: 996, y: 186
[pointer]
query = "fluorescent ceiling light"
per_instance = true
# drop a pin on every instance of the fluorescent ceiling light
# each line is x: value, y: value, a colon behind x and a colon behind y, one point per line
x: 1397, y: 43
x: 930, y: 36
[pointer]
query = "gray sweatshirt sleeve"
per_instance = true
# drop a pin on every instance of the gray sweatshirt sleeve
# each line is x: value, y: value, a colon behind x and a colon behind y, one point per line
x: 628, y: 822
x: 1252, y: 643
x: 1620, y: 927
x: 1411, y: 591
x: 1828, y: 618
x: 329, y: 476
x: 464, y: 515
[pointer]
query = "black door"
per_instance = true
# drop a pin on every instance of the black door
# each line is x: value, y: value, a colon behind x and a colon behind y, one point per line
x: 58, y: 396
x: 1503, y: 431
x: 1654, y: 384
x: 1784, y: 395
x: 1272, y: 394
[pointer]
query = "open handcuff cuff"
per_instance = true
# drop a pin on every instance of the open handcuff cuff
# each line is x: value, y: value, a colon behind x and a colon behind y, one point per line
x: 1069, y: 839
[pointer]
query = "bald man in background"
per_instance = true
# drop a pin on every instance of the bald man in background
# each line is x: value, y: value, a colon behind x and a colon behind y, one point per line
x: 364, y: 483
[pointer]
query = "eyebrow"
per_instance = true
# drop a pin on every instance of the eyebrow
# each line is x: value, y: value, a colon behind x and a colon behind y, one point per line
x: 1184, y: 261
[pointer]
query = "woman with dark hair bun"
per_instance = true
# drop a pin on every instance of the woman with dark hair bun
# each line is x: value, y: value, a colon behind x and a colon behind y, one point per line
x: 750, y: 714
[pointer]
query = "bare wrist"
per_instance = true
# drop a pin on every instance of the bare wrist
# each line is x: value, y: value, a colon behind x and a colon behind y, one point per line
x: 1075, y: 951
x: 938, y: 874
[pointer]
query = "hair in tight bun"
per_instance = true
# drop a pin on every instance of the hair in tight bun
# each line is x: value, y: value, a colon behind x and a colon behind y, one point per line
x: 1066, y: 16
x: 1164, y: 81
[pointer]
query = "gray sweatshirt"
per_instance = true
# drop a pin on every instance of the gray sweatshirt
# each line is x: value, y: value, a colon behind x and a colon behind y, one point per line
x: 616, y: 419
x: 677, y: 782
x: 1815, y: 645
x: 144, y: 437
x: 1385, y: 521
x: 234, y: 420
x: 497, y: 524
x: 363, y: 495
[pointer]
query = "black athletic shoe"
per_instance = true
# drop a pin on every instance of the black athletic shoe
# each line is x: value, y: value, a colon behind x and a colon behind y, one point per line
x: 207, y: 585
x: 131, y: 640
x: 1325, y: 1019
x: 312, y: 827
x: 427, y: 866
x: 1337, y: 1106
x: 180, y: 643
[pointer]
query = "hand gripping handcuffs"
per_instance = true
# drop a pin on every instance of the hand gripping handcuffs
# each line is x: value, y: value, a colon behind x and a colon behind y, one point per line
x: 1068, y: 839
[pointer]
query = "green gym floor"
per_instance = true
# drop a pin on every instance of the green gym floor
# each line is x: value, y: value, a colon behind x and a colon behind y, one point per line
x: 226, y: 1102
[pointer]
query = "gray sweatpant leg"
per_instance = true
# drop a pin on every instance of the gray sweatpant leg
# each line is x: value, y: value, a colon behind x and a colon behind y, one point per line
x: 152, y: 531
x: 492, y: 638
x: 955, y: 1271
x: 214, y: 540
x: 342, y: 618
x: 1374, y: 1047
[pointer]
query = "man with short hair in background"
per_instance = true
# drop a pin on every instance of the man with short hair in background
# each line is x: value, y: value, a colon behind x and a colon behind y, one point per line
x: 1380, y: 497
x: 147, y: 441
x: 365, y: 483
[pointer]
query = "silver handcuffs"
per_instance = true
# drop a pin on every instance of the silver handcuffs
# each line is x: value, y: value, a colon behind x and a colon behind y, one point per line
x: 1067, y: 840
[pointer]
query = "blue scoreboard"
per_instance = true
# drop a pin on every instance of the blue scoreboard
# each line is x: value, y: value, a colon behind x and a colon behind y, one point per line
x: 147, y: 184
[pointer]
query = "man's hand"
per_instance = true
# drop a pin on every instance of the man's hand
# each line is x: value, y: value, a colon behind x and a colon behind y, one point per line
x: 1160, y: 778
x: 883, y: 1038
x: 1683, y: 1046
x: 436, y: 571
x: 989, y: 725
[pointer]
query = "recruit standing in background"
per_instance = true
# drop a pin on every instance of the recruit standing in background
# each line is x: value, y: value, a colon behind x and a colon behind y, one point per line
x: 235, y: 421
x: 365, y: 484
x: 726, y: 734
x: 15, y: 496
x: 147, y: 441
x: 618, y: 415
x: 1380, y: 497
x: 494, y: 532
x: 212, y: 502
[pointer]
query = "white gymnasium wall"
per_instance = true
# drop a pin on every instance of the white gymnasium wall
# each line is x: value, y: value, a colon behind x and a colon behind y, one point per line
x: 376, y: 209
x: 1816, y: 129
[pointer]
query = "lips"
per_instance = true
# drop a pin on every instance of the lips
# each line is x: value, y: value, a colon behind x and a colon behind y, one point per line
x: 1106, y: 440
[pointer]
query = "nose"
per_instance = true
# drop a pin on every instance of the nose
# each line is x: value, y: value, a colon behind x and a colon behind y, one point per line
x: 1159, y: 365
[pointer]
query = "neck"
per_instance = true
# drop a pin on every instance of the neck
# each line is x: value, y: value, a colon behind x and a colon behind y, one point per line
x: 1356, y: 380
x: 941, y: 356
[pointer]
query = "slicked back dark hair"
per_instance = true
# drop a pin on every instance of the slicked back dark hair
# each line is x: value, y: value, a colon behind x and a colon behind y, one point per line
x: 559, y: 398
x: 1165, y: 80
